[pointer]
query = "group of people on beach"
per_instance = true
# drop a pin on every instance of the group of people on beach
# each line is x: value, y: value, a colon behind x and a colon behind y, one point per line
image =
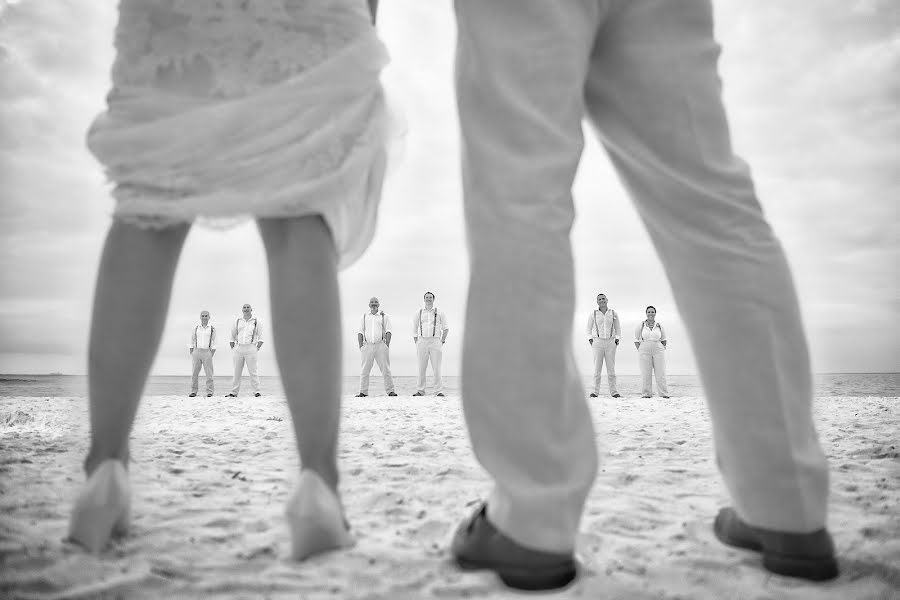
x: 276, y: 110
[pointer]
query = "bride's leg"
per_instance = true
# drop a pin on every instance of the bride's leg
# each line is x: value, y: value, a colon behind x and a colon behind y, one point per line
x: 307, y: 337
x: 134, y: 282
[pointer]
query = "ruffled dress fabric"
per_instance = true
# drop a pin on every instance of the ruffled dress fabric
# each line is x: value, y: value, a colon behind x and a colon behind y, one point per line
x: 226, y: 110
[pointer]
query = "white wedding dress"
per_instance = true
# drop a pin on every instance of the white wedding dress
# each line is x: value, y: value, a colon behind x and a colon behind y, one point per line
x: 226, y: 110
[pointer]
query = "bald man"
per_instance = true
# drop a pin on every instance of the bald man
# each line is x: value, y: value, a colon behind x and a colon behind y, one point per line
x: 374, y: 337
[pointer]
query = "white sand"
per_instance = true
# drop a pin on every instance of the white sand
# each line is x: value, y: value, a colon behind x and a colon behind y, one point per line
x: 211, y: 476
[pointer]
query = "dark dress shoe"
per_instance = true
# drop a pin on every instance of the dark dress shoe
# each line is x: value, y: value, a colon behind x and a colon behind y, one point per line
x: 392, y: 393
x: 192, y: 395
x: 231, y: 395
x: 209, y: 395
x: 665, y: 396
x: 617, y: 395
x: 803, y: 555
x: 441, y: 394
x: 477, y: 544
x: 361, y: 395
x: 593, y: 395
x: 257, y: 394
x: 419, y: 394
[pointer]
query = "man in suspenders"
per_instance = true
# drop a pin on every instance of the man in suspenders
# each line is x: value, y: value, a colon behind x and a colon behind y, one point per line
x: 246, y: 340
x: 374, y: 337
x: 429, y: 333
x: 203, y: 347
x: 604, y: 331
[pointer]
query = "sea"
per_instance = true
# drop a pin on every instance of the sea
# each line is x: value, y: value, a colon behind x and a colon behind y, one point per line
x: 58, y: 385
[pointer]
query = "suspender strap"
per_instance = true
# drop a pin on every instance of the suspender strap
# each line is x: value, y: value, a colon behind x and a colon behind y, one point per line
x: 212, y: 332
x: 382, y: 326
x: 434, y: 325
x: 195, y: 335
x: 596, y: 325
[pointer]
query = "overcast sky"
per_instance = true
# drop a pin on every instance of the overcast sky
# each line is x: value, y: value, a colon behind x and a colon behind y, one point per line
x: 813, y: 92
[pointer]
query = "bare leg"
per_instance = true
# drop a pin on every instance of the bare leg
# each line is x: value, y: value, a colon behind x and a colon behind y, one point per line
x: 307, y: 336
x: 131, y: 300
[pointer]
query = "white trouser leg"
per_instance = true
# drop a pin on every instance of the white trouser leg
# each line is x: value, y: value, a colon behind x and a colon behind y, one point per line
x: 436, y: 354
x: 422, y: 356
x: 196, y: 362
x: 645, y: 361
x: 607, y: 349
x: 251, y: 368
x: 659, y: 369
x: 597, y: 349
x: 210, y: 373
x: 383, y: 358
x: 655, y: 98
x: 238, y: 360
x: 520, y: 106
x: 367, y: 357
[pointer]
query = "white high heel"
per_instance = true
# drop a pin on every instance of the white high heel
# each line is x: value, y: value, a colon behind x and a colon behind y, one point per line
x: 103, y: 509
x: 315, y: 517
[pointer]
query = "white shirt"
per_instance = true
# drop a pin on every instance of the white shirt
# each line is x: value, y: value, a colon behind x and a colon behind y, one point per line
x: 203, y: 337
x: 246, y: 332
x: 429, y: 323
x: 645, y: 334
x: 602, y: 325
x: 373, y: 327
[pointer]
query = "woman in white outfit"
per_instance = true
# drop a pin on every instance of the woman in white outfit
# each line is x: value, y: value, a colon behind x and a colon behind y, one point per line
x: 650, y: 342
x: 222, y: 112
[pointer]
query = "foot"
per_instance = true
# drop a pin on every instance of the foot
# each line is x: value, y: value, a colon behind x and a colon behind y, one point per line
x: 192, y: 395
x: 392, y: 393
x: 441, y: 394
x: 419, y: 394
x: 593, y: 395
x: 209, y: 395
x: 361, y: 395
x: 315, y: 518
x: 803, y: 555
x: 646, y: 396
x: 665, y: 396
x: 231, y: 395
x: 617, y: 395
x: 103, y: 509
x: 257, y: 394
x: 477, y: 544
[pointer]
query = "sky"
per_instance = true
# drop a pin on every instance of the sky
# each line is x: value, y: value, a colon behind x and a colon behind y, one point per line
x: 812, y: 90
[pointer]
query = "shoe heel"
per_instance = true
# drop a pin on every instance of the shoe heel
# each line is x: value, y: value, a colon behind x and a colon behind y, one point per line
x: 102, y: 510
x: 315, y: 519
x: 814, y: 569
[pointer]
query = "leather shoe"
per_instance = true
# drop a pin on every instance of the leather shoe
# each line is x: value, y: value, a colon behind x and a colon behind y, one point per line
x: 231, y: 395
x: 803, y: 555
x: 361, y: 395
x: 617, y: 395
x: 257, y: 394
x: 392, y: 393
x: 419, y: 394
x: 593, y: 395
x: 209, y: 395
x: 477, y: 544
x: 440, y: 394
x: 192, y: 395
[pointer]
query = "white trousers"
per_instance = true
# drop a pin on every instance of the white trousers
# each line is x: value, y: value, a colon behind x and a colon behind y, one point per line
x: 371, y: 353
x: 652, y: 360
x: 244, y: 354
x: 202, y: 357
x: 644, y: 71
x: 604, y: 349
x: 429, y: 349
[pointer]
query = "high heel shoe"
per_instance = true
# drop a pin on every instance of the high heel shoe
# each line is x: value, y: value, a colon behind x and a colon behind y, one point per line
x: 103, y: 509
x: 316, y: 519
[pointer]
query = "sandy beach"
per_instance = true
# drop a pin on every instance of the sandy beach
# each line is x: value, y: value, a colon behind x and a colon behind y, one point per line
x: 210, y: 478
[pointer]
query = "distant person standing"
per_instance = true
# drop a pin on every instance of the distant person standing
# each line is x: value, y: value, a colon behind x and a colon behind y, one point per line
x: 246, y: 340
x: 374, y: 337
x: 650, y: 342
x: 203, y: 348
x: 429, y: 334
x: 604, y: 330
